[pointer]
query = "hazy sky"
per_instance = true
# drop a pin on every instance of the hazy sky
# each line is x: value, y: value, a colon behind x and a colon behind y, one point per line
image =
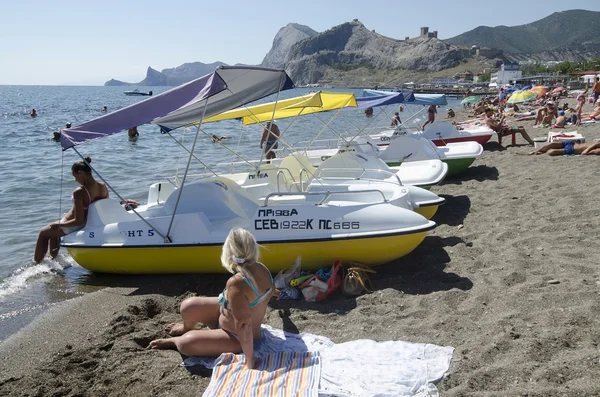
x: 84, y: 42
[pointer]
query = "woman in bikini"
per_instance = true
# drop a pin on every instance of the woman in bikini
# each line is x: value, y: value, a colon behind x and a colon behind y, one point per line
x: 234, y: 317
x: 82, y: 197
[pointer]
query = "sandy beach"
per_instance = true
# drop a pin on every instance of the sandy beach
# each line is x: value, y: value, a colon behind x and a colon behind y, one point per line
x: 509, y: 278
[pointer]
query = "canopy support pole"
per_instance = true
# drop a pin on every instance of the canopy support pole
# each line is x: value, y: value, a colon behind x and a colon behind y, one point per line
x: 187, y: 168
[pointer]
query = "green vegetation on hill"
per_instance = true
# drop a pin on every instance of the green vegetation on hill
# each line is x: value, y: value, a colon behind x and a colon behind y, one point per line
x: 567, y: 31
x: 562, y: 68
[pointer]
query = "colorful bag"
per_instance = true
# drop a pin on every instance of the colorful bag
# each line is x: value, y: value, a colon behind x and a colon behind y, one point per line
x: 314, y: 289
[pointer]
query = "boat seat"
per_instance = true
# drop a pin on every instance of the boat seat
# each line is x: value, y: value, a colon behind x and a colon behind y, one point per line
x: 107, y: 211
x: 299, y: 168
x: 218, y: 198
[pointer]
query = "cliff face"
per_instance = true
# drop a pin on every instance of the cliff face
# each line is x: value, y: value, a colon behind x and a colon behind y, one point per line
x: 154, y: 78
x: 173, y: 76
x: 351, y: 45
x: 189, y: 71
x: 283, y: 42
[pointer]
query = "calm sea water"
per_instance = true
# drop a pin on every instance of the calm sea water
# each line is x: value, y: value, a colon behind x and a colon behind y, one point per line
x: 36, y: 182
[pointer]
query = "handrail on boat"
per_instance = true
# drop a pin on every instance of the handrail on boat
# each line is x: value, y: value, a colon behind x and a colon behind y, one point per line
x: 327, y: 194
x: 360, y: 176
x: 280, y: 172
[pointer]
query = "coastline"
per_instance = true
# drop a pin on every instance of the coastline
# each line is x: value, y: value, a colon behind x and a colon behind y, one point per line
x: 509, y: 278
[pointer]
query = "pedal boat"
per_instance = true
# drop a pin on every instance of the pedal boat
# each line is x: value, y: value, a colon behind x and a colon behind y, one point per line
x: 400, y: 146
x: 424, y: 172
x: 345, y: 171
x: 319, y: 226
x: 442, y: 133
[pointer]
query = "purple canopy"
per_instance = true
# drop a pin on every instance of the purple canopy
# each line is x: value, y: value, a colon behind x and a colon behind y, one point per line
x: 226, y: 88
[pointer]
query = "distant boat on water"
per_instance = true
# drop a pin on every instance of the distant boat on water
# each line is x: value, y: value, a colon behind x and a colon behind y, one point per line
x: 137, y: 92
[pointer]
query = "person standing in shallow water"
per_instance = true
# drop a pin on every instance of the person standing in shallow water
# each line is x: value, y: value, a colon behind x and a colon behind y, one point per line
x: 75, y: 219
x: 133, y: 133
x: 234, y: 318
x: 270, y: 136
x: 431, y: 112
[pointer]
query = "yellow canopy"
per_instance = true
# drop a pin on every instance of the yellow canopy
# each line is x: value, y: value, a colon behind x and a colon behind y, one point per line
x: 312, y: 99
x: 306, y: 104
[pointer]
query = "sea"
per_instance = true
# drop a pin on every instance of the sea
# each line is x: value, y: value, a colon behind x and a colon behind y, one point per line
x: 36, y: 181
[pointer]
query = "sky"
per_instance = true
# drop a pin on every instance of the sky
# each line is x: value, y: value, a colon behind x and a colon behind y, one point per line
x: 68, y: 42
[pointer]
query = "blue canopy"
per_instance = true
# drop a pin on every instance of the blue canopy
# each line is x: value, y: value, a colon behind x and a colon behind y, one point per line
x: 389, y: 98
x: 429, y: 99
x: 410, y: 98
x: 226, y: 88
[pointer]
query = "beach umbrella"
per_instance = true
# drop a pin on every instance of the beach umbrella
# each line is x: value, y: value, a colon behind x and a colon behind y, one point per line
x: 557, y: 90
x: 540, y: 90
x: 470, y: 99
x: 522, y: 96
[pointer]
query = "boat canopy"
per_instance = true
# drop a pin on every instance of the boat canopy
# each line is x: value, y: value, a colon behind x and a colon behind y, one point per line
x: 389, y: 98
x: 414, y: 99
x: 321, y: 101
x: 313, y: 99
x: 429, y: 99
x: 226, y: 88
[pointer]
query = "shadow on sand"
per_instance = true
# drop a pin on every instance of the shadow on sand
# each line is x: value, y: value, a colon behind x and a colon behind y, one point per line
x: 479, y: 173
x: 422, y: 271
x: 164, y: 284
x: 454, y: 211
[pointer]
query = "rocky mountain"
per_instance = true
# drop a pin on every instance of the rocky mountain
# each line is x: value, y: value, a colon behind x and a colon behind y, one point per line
x: 283, y: 42
x: 172, y: 76
x: 567, y: 35
x: 351, y: 45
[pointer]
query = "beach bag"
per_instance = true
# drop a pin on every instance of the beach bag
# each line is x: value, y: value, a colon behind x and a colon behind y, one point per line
x: 283, y: 278
x: 356, y: 281
x: 315, y: 289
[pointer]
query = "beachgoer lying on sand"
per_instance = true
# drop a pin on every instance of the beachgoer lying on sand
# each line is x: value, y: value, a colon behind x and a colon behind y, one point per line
x: 526, y: 116
x: 75, y: 219
x: 235, y: 317
x: 503, y: 129
x: 569, y: 147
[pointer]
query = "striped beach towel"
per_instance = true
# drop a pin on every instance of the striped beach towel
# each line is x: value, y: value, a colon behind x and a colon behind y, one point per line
x: 277, y: 375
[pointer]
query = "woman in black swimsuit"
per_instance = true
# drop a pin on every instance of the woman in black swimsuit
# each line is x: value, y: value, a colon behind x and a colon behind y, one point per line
x: 82, y: 197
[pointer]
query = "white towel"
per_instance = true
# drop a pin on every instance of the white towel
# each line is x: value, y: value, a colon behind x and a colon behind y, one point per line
x: 361, y: 367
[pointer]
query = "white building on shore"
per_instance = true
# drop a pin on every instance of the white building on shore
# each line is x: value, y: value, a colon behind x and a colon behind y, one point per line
x: 508, y: 73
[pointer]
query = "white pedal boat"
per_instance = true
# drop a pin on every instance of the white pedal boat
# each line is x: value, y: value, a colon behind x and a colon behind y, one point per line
x: 424, y: 172
x: 343, y: 172
x: 401, y: 147
x: 441, y: 133
x: 322, y: 227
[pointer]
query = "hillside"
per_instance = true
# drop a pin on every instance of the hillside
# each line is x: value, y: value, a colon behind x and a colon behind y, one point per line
x: 566, y: 35
x: 351, y: 46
